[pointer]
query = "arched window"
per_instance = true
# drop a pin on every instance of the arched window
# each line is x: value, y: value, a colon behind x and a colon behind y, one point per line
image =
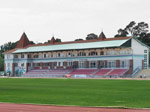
x: 36, y: 56
x: 101, y: 52
x: 81, y: 54
x: 93, y: 53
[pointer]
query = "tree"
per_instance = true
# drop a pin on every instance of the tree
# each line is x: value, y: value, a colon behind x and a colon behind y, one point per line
x: 91, y: 36
x: 121, y: 33
x: 58, y: 40
x: 140, y: 31
x: 1, y: 64
x: 78, y: 39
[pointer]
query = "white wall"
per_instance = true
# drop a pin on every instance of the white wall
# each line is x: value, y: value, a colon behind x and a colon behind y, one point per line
x: 138, y: 49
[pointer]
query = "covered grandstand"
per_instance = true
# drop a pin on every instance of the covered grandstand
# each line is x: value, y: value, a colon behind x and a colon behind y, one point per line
x: 102, y: 57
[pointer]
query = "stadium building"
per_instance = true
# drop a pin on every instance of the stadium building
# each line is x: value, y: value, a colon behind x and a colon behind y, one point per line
x: 102, y: 57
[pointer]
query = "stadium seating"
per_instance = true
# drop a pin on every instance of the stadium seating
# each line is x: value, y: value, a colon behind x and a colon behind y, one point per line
x: 46, y: 73
x: 117, y: 72
x: 102, y: 72
x: 82, y: 71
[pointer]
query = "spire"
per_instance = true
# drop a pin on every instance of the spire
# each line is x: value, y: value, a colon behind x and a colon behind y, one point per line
x: 52, y: 40
x: 23, y: 42
x: 102, y: 36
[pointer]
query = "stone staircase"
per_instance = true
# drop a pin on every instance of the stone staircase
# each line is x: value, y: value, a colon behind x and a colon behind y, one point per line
x: 145, y: 73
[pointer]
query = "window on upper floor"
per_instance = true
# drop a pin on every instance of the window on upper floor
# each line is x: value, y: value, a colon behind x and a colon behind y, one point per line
x: 58, y: 55
x: 111, y: 52
x: 22, y: 56
x: 125, y: 51
x: 145, y: 51
x: 36, y: 56
x: 51, y: 55
x: 29, y: 56
x: 70, y: 54
x: 8, y: 56
x: 45, y: 56
x: 101, y: 52
x: 81, y: 54
x: 93, y: 53
x: 16, y: 56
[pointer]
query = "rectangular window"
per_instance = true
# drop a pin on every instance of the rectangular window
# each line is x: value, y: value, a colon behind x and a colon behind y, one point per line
x: 8, y: 56
x: 8, y: 64
x: 29, y: 56
x: 29, y: 64
x: 46, y: 64
x: 22, y: 56
x: 69, y: 63
x: 82, y: 64
x: 36, y: 56
x: 16, y: 64
x: 92, y: 64
x: 59, y: 63
x: 36, y: 64
x: 145, y: 51
x: 111, y: 64
x: 16, y: 56
x: 124, y: 63
x: 22, y: 64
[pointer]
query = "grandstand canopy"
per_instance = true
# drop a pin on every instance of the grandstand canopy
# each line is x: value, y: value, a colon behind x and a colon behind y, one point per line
x: 73, y: 46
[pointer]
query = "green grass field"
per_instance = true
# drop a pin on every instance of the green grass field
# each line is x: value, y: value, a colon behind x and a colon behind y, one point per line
x: 83, y: 92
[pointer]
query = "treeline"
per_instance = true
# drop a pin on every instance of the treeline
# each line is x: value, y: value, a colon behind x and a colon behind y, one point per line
x: 3, y: 48
x: 138, y: 30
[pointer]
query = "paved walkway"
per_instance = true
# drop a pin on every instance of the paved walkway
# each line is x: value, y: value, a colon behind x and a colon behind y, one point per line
x: 9, y: 107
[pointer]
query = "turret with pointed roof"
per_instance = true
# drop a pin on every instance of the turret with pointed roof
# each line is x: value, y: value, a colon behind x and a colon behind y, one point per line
x: 102, y: 36
x: 52, y: 40
x: 23, y: 42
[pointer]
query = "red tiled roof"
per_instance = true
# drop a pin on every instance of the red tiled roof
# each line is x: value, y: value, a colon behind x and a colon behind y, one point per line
x: 10, y: 51
x: 69, y: 42
x: 82, y: 41
x: 23, y: 42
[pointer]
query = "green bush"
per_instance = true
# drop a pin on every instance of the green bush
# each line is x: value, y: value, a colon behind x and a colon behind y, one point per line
x: 1, y: 64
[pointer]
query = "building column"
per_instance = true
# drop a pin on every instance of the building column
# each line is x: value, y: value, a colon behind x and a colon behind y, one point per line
x: 13, y: 70
x: 27, y: 64
x: 5, y: 67
x: 118, y: 63
x: 65, y: 64
x: 87, y: 64
x: 50, y: 65
x: 130, y: 67
x: 41, y: 65
x: 142, y: 64
x: 55, y: 65
x: 98, y: 64
x: 105, y: 63
x: 75, y: 63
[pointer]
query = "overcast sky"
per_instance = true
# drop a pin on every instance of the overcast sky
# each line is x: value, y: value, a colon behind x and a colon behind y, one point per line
x: 67, y: 19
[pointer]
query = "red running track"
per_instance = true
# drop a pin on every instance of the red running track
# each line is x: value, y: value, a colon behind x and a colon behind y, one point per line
x: 9, y: 107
